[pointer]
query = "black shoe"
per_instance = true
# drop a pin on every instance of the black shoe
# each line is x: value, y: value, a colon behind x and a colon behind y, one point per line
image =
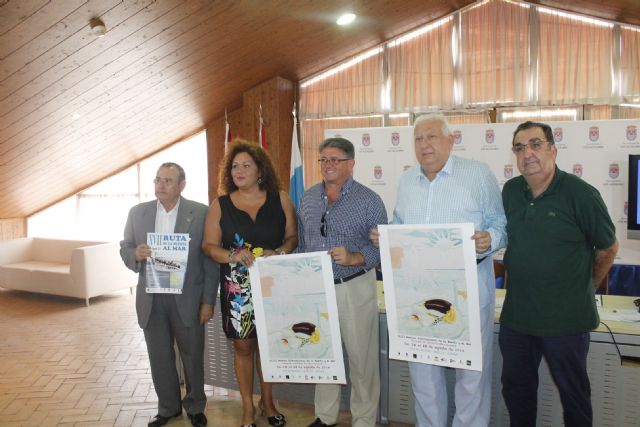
x: 198, y: 420
x: 318, y: 423
x: 159, y: 420
x: 277, y: 420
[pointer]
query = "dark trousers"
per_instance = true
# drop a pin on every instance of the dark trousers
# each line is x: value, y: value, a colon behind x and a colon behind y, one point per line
x: 567, y: 360
x: 163, y: 330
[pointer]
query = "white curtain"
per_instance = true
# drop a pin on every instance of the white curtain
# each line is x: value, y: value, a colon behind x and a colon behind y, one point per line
x: 574, y: 61
x: 630, y: 64
x: 351, y: 91
x: 421, y: 71
x: 494, y: 66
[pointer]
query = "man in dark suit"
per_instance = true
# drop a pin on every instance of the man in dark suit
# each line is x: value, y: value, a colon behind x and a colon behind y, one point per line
x: 166, y: 317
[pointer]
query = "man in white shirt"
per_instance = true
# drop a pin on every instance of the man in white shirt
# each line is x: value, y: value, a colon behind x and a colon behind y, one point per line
x: 168, y: 318
x: 443, y: 189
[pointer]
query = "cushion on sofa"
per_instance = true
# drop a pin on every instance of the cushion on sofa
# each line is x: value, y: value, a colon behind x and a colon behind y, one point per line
x: 38, y: 276
x: 56, y: 250
x: 51, y: 267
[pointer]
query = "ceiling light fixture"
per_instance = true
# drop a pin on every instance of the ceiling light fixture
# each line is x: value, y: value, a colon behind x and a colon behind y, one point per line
x: 97, y: 27
x: 346, y: 19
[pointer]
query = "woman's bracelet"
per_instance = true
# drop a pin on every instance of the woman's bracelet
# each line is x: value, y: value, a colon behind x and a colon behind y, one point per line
x: 232, y: 252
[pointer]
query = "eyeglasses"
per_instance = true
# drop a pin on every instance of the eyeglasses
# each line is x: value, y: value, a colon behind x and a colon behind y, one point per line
x: 534, y: 144
x: 323, y: 225
x: 332, y: 161
x: 165, y: 181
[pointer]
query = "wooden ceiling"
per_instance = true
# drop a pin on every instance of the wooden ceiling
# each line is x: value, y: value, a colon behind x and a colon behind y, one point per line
x: 75, y: 108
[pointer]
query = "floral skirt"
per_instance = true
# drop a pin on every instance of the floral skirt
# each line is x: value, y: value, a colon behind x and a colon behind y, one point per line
x: 236, y: 304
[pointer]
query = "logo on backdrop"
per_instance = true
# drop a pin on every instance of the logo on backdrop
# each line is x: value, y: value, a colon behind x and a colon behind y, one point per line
x: 377, y: 172
x: 557, y: 135
x: 490, y: 136
x: 366, y: 139
x: 395, y: 138
x: 577, y: 170
x: 626, y: 208
x: 457, y: 137
x: 594, y: 133
x: 406, y: 168
x: 632, y: 133
x: 614, y: 170
x: 508, y: 171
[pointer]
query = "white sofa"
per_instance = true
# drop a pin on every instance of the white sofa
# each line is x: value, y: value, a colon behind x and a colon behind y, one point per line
x: 70, y: 268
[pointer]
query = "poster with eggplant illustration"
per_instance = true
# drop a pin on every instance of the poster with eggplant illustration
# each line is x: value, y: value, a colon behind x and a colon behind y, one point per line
x: 431, y: 294
x: 297, y: 319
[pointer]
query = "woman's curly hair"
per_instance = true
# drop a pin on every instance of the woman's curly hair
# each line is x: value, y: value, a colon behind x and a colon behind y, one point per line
x: 269, y: 179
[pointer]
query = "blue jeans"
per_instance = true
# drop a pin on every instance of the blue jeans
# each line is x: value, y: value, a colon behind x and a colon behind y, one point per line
x: 567, y: 360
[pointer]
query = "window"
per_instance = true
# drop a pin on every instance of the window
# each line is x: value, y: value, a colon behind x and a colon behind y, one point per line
x: 99, y: 212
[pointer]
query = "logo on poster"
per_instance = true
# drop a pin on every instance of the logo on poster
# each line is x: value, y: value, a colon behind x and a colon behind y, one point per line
x: 557, y: 135
x: 457, y: 137
x: 395, y: 138
x: 377, y: 172
x: 614, y: 170
x: 508, y: 171
x: 489, y: 136
x: 632, y: 133
x: 366, y: 139
x: 577, y: 170
x: 594, y: 133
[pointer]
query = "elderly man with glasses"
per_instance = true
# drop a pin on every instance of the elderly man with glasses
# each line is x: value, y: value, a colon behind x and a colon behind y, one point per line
x: 173, y: 317
x: 443, y: 188
x: 337, y: 216
x: 562, y: 243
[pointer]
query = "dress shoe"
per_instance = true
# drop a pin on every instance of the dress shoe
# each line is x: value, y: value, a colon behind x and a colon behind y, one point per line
x: 159, y: 420
x: 277, y: 420
x: 198, y: 420
x: 318, y: 423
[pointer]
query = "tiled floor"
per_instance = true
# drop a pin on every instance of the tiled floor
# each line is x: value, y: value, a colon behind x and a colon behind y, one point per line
x: 65, y: 364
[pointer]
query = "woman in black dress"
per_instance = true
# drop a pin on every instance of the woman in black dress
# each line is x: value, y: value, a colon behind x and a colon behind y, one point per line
x: 250, y: 218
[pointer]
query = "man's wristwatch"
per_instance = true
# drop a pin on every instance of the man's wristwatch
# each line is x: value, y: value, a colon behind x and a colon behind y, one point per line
x: 279, y: 251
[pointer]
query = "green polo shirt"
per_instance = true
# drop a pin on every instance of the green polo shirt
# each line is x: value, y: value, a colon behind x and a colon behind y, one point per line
x: 550, y: 255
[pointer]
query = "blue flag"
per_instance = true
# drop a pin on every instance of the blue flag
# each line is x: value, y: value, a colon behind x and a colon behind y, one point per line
x: 296, y: 185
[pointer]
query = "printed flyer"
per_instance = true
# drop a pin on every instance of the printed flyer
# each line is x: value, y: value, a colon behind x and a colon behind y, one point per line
x: 167, y: 264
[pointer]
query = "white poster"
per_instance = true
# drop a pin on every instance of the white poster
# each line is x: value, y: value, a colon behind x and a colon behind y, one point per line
x: 297, y: 319
x: 431, y: 294
x: 166, y: 267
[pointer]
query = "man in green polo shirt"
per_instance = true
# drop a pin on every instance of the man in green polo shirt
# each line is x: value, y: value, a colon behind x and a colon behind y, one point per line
x: 562, y: 243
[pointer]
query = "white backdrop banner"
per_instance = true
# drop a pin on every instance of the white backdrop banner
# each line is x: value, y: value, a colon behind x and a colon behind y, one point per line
x: 598, y: 151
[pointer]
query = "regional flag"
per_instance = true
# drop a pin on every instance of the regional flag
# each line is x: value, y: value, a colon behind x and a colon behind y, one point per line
x: 296, y: 185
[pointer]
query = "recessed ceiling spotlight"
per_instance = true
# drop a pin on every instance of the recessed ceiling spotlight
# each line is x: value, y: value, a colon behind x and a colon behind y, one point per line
x: 97, y: 27
x: 346, y: 19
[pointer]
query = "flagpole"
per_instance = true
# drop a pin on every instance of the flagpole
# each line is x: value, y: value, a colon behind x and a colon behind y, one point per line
x: 262, y: 137
x: 227, y: 132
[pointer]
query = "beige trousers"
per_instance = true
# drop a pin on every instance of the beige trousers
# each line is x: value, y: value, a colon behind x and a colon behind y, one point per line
x: 358, y: 314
